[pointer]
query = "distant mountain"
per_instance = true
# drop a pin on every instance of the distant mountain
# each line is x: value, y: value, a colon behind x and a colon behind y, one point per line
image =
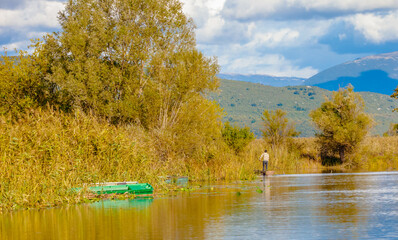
x: 264, y: 79
x: 245, y: 102
x: 377, y: 73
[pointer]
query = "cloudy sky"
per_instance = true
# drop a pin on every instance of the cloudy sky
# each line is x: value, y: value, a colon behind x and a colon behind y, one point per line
x: 295, y: 38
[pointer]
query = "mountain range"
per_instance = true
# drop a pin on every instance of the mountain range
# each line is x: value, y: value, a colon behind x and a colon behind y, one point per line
x: 376, y: 73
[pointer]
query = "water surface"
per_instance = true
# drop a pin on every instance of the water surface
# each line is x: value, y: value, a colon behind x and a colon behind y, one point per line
x: 307, y: 206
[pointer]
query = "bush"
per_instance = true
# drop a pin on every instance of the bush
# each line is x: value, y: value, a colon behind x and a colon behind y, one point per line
x: 277, y: 128
x: 342, y: 123
x: 235, y: 137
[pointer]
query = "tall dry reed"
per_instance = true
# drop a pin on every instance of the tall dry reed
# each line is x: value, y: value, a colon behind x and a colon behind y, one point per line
x: 47, y: 153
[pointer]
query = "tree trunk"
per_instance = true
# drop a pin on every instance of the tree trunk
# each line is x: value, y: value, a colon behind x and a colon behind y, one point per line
x: 342, y: 154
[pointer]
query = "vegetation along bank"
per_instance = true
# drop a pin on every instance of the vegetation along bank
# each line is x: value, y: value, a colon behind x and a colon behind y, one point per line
x: 121, y: 94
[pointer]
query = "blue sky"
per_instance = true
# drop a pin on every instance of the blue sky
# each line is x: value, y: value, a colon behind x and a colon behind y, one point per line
x: 296, y: 38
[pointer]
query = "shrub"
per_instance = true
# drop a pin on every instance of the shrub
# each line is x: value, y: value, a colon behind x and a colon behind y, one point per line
x: 235, y: 137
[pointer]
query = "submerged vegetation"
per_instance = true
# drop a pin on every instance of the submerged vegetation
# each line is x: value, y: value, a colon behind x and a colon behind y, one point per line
x: 120, y: 94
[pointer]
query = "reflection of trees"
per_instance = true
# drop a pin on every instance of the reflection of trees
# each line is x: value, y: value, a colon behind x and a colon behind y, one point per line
x: 329, y: 200
x: 181, y: 217
x: 339, y: 203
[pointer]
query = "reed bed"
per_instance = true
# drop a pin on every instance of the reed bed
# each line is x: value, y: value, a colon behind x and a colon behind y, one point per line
x: 47, y: 153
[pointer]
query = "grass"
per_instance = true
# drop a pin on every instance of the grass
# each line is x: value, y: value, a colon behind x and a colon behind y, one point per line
x: 46, y: 153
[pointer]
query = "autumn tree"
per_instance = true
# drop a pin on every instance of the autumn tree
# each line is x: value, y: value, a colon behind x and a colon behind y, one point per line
x: 277, y: 128
x: 23, y: 86
x: 128, y: 60
x: 237, y: 138
x: 341, y: 122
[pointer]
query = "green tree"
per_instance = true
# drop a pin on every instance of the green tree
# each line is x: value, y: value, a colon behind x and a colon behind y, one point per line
x: 236, y: 137
x: 15, y: 88
x: 277, y: 128
x: 127, y: 60
x: 22, y: 85
x: 342, y: 123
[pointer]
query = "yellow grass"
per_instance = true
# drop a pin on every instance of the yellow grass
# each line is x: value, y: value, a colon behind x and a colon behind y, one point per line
x: 47, y: 153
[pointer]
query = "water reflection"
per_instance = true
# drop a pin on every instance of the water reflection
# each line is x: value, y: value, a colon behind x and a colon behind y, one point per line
x: 287, y: 207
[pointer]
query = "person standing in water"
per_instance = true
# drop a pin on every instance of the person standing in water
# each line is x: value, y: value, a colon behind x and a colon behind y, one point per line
x: 265, y: 158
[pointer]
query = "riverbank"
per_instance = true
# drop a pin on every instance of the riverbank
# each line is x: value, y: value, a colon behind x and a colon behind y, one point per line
x: 46, y: 153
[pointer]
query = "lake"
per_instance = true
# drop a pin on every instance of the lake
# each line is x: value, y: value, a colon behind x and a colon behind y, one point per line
x: 305, y: 206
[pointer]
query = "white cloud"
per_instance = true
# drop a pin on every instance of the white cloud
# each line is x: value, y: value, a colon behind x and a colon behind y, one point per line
x: 206, y: 14
x: 377, y: 28
x: 10, y: 47
x: 301, y: 9
x: 273, y: 64
x: 248, y: 47
x: 33, y: 14
x: 280, y: 37
x: 211, y: 29
x: 347, y: 5
x: 201, y: 10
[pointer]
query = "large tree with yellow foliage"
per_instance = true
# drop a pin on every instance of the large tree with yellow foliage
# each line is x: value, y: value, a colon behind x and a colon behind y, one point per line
x: 342, y: 122
x: 128, y: 60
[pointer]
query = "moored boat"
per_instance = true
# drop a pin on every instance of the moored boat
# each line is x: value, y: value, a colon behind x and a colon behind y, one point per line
x: 120, y: 188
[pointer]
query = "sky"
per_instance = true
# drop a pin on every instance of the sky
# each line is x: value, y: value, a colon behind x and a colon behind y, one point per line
x: 292, y: 38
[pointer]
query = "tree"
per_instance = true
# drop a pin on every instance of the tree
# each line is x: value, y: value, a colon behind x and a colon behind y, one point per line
x: 277, y: 128
x: 23, y: 87
x: 342, y: 122
x: 395, y: 95
x: 127, y: 60
x: 236, y: 137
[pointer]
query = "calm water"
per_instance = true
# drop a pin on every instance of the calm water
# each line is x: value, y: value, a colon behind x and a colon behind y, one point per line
x: 309, y: 206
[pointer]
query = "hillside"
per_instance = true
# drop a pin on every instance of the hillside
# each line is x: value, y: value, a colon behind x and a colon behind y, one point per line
x: 365, y: 74
x: 245, y: 102
x: 264, y: 79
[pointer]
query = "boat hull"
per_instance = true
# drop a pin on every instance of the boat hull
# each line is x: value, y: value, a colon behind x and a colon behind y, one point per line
x: 136, y: 189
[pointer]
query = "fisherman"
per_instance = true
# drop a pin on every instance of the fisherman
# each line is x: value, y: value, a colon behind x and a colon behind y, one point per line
x: 265, y: 158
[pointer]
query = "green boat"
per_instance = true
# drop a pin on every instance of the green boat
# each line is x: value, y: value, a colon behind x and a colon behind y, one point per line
x: 120, y: 188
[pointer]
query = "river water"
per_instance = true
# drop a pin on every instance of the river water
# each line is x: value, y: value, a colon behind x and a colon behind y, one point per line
x: 305, y: 206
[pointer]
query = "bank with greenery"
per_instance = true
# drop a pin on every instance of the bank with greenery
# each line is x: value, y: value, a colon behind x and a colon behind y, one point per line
x: 120, y: 94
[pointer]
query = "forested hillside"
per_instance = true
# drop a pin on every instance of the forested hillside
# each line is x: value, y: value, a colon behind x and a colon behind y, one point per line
x: 244, y: 103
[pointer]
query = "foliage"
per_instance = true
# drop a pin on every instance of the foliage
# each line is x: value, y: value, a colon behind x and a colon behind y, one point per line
x: 128, y: 61
x: 21, y: 87
x: 277, y: 128
x: 342, y: 123
x: 47, y: 152
x: 236, y: 137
